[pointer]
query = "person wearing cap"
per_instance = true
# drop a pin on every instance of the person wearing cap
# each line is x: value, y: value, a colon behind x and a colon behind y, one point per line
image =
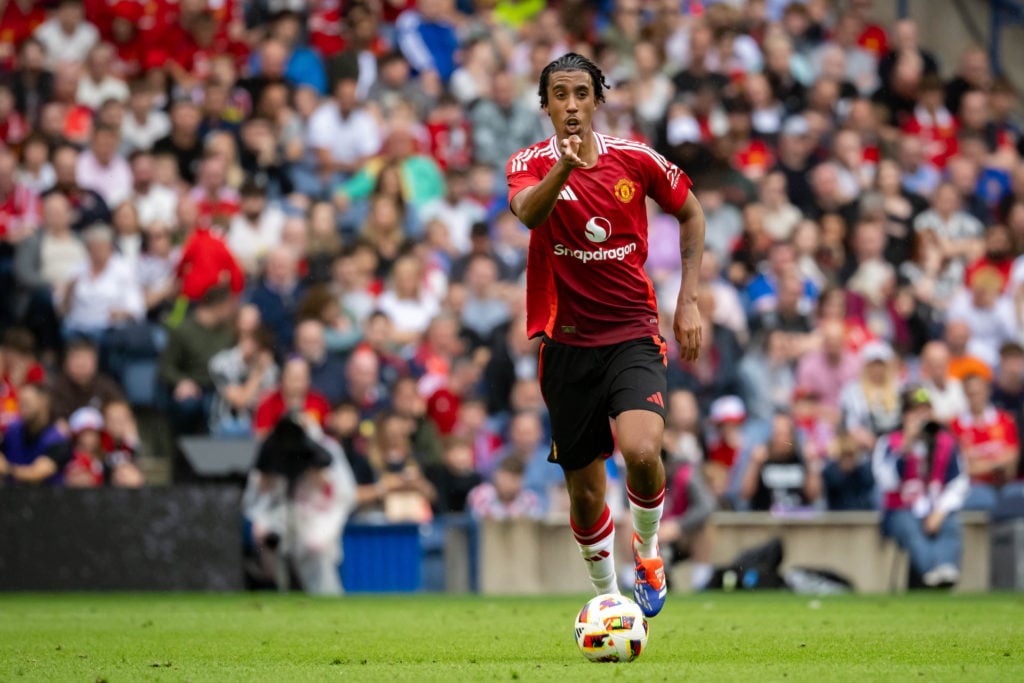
x: 90, y: 466
x: 923, y: 483
x: 34, y: 449
x: 725, y: 447
x: 870, y: 404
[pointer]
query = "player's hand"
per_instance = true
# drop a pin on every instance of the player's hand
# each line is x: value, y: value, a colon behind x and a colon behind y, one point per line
x: 688, y: 329
x: 571, y: 152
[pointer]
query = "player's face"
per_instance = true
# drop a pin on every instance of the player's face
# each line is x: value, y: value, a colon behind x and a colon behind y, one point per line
x: 571, y: 102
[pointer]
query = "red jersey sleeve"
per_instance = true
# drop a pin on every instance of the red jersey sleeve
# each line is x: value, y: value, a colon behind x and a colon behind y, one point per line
x: 666, y: 182
x: 519, y: 174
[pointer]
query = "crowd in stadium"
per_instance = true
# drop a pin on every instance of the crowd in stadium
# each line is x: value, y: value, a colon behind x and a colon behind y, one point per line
x: 232, y: 211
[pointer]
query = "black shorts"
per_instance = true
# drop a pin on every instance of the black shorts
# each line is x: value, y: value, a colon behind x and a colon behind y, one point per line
x: 583, y: 386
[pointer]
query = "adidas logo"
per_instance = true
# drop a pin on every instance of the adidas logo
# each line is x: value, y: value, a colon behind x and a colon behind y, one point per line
x: 656, y: 399
x: 567, y: 194
x: 598, y: 557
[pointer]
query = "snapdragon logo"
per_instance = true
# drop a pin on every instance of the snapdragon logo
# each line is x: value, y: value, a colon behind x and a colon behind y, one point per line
x: 598, y: 229
x: 588, y: 255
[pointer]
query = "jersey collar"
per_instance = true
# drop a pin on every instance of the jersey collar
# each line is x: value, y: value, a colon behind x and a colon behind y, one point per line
x: 598, y: 138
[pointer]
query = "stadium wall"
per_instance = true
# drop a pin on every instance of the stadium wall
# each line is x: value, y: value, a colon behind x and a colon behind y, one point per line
x: 175, y: 539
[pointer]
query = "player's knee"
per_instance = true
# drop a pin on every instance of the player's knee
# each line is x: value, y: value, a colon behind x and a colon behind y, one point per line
x: 588, y: 499
x: 641, y: 451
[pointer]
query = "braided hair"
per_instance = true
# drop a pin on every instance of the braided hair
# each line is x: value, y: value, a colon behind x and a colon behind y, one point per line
x: 572, y: 61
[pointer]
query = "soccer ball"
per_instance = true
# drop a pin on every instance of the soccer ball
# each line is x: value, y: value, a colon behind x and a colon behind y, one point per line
x: 611, y: 628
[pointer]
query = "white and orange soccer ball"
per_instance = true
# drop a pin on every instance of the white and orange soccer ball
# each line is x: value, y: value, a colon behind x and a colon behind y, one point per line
x: 611, y: 628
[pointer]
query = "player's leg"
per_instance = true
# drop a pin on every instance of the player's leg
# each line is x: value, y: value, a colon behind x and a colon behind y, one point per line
x: 580, y: 435
x: 637, y: 399
x: 592, y: 523
x: 639, y: 434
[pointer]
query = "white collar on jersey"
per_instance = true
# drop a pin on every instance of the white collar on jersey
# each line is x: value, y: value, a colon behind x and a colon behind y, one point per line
x: 556, y: 150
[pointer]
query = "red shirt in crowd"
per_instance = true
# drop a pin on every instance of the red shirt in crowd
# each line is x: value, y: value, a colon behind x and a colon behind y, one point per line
x: 19, y: 210
x: 206, y: 262
x: 19, y: 20
x: 585, y: 278
x: 986, y: 437
x: 272, y: 408
x: 938, y: 132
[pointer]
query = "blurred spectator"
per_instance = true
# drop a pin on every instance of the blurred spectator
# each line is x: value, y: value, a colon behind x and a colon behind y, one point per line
x: 241, y: 375
x: 153, y: 201
x: 407, y: 494
x: 827, y: 371
x: 102, y: 169
x: 502, y: 125
x: 143, y: 123
x: 206, y: 262
x: 121, y: 434
x: 66, y: 36
x: 406, y: 303
x: 456, y: 210
x: 182, y: 141
x: 420, y: 180
x: 294, y: 395
x: 394, y: 86
x: 19, y: 206
x: 505, y: 498
x: 325, y: 369
x: 989, y: 444
x: 428, y: 39
x: 185, y: 362
x: 923, y: 485
x: 870, y: 404
x: 90, y: 465
x: 46, y: 264
x: 527, y: 442
x: 989, y: 316
x: 485, y: 311
x: 725, y: 444
x: 766, y: 372
x: 779, y: 476
x: 35, y: 451
x: 961, y: 362
x: 80, y: 383
x: 454, y: 477
x: 847, y: 477
x: 945, y: 393
x: 686, y: 529
x: 36, y: 171
x: 278, y: 295
x: 88, y: 205
x: 304, y: 66
x: 407, y: 402
x: 98, y: 83
x: 157, y: 264
x: 105, y: 292
x: 297, y: 500
x: 683, y: 437
x: 1008, y: 384
x: 343, y: 135
x: 716, y: 372
x: 255, y: 229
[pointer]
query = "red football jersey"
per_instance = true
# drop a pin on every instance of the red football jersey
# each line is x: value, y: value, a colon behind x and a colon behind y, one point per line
x: 585, y: 278
x: 986, y: 437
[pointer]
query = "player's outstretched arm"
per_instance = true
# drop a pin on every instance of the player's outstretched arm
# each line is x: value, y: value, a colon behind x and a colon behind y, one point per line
x: 687, y: 325
x: 534, y: 204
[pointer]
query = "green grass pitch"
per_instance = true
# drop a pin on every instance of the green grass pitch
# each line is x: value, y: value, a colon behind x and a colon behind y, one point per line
x: 712, y: 637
